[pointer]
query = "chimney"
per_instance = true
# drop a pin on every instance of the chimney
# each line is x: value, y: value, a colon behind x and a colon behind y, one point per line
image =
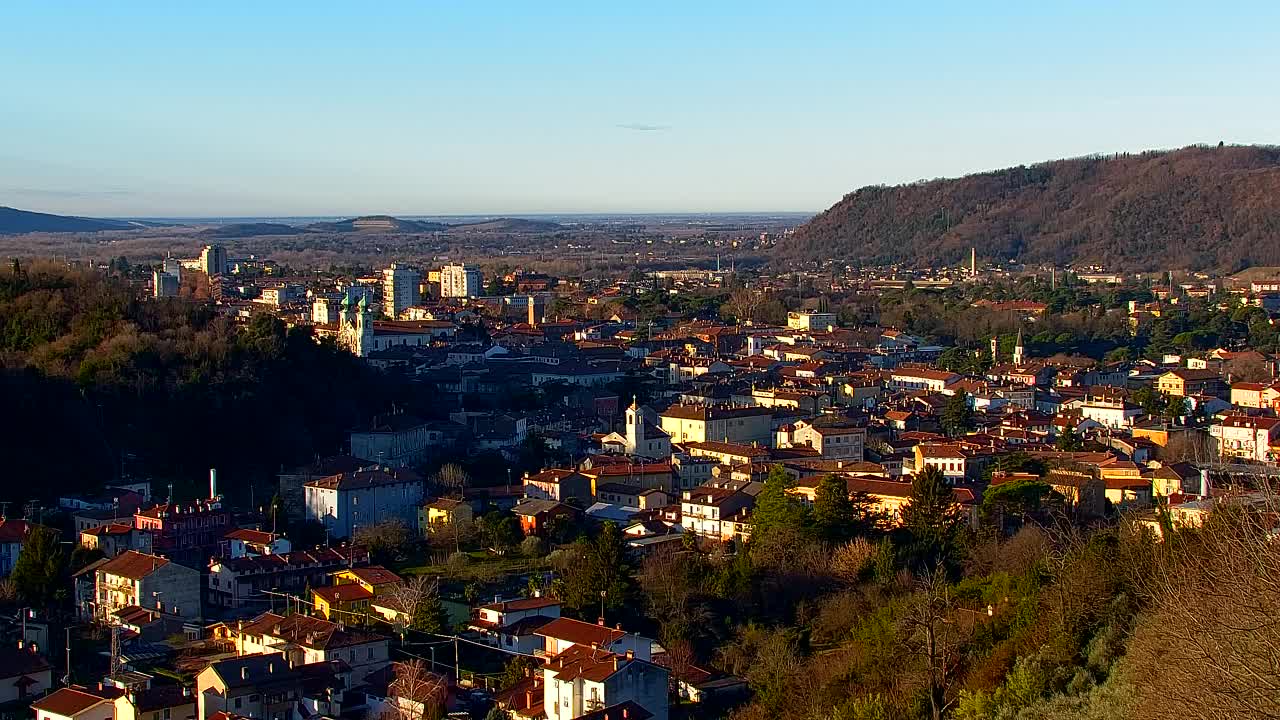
x: 600, y: 622
x: 271, y: 667
x: 528, y: 698
x: 618, y: 627
x: 244, y: 672
x: 213, y: 483
x: 631, y: 654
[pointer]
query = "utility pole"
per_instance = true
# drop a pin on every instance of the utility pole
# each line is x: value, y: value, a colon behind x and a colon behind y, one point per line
x: 66, y: 679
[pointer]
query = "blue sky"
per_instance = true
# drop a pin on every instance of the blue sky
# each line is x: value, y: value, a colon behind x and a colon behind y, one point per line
x: 278, y: 108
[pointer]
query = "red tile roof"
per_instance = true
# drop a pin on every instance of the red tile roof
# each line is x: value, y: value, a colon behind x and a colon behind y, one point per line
x: 133, y: 565
x: 580, y: 633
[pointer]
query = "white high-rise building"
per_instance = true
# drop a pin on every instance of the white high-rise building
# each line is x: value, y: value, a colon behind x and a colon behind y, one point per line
x: 461, y: 281
x: 400, y: 289
x: 213, y: 260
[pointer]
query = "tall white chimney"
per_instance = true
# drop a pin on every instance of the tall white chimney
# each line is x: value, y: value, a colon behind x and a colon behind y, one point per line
x: 213, y: 483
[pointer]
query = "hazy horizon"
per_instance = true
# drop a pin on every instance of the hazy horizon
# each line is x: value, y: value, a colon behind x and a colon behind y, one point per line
x: 149, y: 110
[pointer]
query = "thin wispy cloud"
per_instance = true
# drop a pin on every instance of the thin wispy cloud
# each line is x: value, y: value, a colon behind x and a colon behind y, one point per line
x: 65, y: 193
x: 644, y: 127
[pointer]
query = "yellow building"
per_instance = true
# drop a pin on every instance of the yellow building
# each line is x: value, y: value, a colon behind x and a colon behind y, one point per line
x: 444, y: 512
x: 352, y: 589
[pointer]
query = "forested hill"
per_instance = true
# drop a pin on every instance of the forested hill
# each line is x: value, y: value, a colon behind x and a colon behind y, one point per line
x: 1196, y: 208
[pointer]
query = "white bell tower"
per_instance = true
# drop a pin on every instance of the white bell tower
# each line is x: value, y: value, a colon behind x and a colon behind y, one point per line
x: 635, y: 428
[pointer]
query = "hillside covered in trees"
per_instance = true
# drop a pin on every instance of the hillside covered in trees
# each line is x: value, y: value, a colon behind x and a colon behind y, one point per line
x: 1196, y: 208
x: 94, y: 379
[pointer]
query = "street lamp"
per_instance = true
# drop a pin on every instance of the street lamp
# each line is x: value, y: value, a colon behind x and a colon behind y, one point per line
x: 602, y: 595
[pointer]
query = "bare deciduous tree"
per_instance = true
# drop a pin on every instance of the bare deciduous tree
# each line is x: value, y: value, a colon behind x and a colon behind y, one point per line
x: 450, y: 478
x: 416, y: 693
x: 1209, y: 648
x: 934, y: 632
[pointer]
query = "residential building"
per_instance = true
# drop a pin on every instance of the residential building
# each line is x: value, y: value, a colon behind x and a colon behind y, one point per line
x: 213, y: 260
x: 12, y: 534
x: 563, y: 633
x: 921, y: 379
x: 584, y: 682
x: 1254, y: 395
x: 352, y: 589
x: 1184, y: 382
x: 346, y: 501
x: 164, y: 284
x: 244, y: 541
x: 396, y: 440
x: 811, y: 321
x: 304, y: 640
x: 512, y: 624
x: 1245, y: 437
x: 461, y: 281
x: 134, y: 579
x: 400, y: 289
x: 557, y: 484
x: 239, y: 583
x: 631, y: 496
x: 115, y: 538
x: 24, y: 673
x: 1084, y: 491
x: 75, y: 703
x: 159, y: 702
x: 536, y: 515
x: 186, y: 533
x: 254, y: 686
x: 445, y: 512
x: 952, y: 459
x: 830, y: 440
x: 1112, y: 411
x: 703, y: 423
x: 703, y: 509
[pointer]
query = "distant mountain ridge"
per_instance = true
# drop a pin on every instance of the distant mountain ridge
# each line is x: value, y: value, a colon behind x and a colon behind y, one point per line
x: 1197, y: 208
x: 243, y: 230
x: 509, y: 225
x: 16, y: 222
x: 378, y: 224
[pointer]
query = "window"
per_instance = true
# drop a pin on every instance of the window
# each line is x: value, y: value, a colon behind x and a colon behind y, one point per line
x: 255, y: 698
x: 166, y: 714
x: 237, y: 703
x: 370, y: 653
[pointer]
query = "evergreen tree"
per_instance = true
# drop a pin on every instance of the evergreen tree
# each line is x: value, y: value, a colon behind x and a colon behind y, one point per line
x: 957, y: 416
x: 431, y: 615
x: 1068, y: 441
x: 775, y: 507
x: 834, y: 518
x: 603, y: 566
x: 930, y: 516
x: 38, y: 572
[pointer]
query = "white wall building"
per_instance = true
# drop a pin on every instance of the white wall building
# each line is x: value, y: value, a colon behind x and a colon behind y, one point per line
x: 811, y: 321
x: 461, y: 281
x: 400, y: 289
x: 344, y: 502
x: 213, y: 260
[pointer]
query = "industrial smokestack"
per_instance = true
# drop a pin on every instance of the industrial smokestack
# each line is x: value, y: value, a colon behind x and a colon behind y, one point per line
x: 213, y: 483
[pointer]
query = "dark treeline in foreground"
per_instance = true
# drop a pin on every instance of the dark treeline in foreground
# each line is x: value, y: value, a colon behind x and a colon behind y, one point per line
x: 94, y: 380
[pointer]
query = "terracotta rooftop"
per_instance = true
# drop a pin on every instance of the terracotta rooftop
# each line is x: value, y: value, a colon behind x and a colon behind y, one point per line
x: 133, y: 565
